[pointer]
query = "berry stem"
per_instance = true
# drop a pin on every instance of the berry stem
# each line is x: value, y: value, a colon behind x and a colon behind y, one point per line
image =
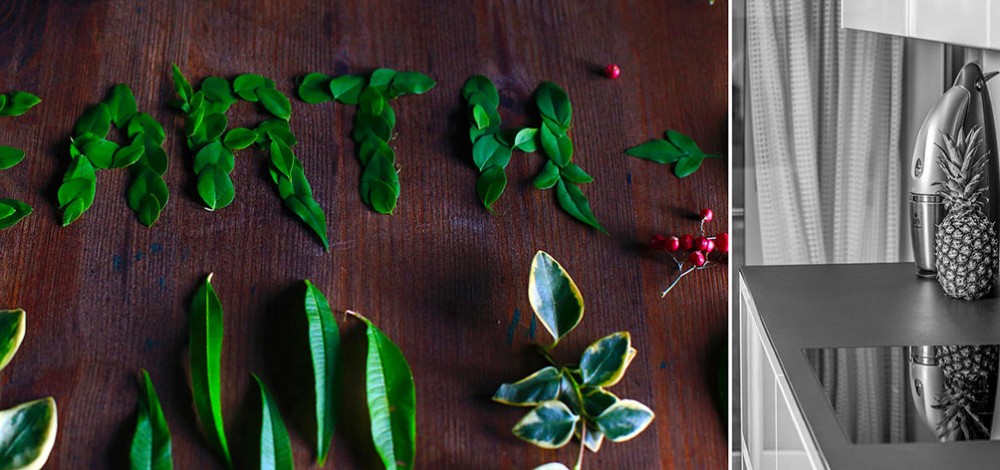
x: 684, y: 273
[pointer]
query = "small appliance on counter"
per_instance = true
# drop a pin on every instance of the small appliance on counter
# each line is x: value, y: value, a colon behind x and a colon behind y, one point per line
x: 965, y: 105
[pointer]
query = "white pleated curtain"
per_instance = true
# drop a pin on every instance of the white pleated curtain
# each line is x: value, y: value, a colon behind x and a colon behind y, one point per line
x: 825, y: 110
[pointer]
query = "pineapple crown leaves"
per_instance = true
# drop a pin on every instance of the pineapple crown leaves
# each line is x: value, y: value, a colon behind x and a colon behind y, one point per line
x: 963, y: 165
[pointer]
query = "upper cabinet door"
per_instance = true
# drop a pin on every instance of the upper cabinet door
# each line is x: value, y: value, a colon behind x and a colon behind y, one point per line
x: 962, y: 22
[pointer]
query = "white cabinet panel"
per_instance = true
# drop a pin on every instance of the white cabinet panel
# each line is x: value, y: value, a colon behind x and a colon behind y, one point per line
x: 881, y: 16
x: 953, y: 21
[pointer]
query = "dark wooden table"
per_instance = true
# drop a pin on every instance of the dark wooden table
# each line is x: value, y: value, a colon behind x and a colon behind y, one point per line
x: 442, y: 277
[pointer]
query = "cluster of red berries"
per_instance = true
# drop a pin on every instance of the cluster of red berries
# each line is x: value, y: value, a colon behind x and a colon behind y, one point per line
x: 698, y: 247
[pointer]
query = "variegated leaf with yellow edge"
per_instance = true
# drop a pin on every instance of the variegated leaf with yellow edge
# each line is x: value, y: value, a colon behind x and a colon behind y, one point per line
x: 27, y: 434
x: 604, y: 362
x: 11, y: 334
x: 549, y: 426
x: 624, y: 420
x: 531, y: 390
x: 554, y: 296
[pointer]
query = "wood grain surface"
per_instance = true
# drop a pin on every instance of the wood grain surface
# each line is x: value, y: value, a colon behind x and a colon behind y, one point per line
x: 442, y: 277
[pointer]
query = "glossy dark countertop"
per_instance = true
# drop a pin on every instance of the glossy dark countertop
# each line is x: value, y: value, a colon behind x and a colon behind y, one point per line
x: 858, y: 305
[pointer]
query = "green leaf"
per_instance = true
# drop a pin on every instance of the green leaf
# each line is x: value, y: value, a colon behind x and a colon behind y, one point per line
x: 129, y: 154
x: 12, y: 325
x: 548, y: 177
x: 18, y: 103
x: 371, y: 101
x: 572, y: 172
x: 532, y: 390
x: 239, y: 138
x: 380, y: 79
x: 193, y: 123
x: 380, y: 184
x: 559, y: 149
x: 597, y: 400
x: 525, y: 139
x: 488, y: 151
x: 412, y: 83
x: 154, y: 156
x: 324, y: 346
x: 554, y: 296
x: 218, y: 90
x: 490, y: 185
x: 248, y: 86
x: 391, y: 400
x: 282, y: 158
x: 315, y: 88
x: 10, y: 157
x: 215, y: 188
x: 310, y: 212
x: 554, y: 103
x: 73, y: 211
x: 347, y: 88
x: 214, y: 125
x: 549, y: 425
x: 15, y: 212
x: 688, y: 165
x: 604, y: 362
x: 478, y: 85
x: 121, y: 104
x: 151, y: 447
x: 275, y: 446
x: 657, y: 150
x: 181, y: 85
x: 205, y: 350
x: 147, y: 196
x: 383, y: 196
x: 27, y: 434
x: 100, y: 152
x: 370, y: 147
x: 214, y: 154
x: 572, y: 200
x: 593, y: 439
x: 275, y: 103
x: 479, y: 117
x: 683, y: 143
x: 624, y: 420
x: 95, y: 120
x: 145, y: 124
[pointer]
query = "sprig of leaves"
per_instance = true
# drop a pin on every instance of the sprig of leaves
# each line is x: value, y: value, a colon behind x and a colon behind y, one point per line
x: 205, y: 350
x: 373, y: 123
x: 492, y: 147
x: 675, y: 148
x: 151, y: 447
x: 14, y: 103
x: 27, y: 431
x: 91, y: 150
x: 214, y: 145
x: 572, y: 400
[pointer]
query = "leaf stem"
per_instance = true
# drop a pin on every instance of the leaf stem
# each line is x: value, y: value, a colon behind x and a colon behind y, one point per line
x: 545, y: 353
x: 583, y: 446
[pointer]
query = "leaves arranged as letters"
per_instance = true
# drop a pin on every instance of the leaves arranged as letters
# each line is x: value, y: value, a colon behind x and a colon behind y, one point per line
x: 675, y: 148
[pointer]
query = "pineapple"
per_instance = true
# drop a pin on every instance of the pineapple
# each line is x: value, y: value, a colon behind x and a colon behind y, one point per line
x: 970, y: 373
x: 965, y: 242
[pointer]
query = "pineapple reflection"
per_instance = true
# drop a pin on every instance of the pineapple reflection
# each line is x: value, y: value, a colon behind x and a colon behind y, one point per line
x: 911, y: 394
x: 965, y: 398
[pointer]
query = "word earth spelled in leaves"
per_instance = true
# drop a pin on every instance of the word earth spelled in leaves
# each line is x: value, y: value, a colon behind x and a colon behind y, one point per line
x: 390, y: 392
x: 492, y: 147
x: 572, y: 400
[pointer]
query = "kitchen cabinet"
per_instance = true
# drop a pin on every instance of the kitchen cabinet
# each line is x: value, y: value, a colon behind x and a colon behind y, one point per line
x: 963, y: 22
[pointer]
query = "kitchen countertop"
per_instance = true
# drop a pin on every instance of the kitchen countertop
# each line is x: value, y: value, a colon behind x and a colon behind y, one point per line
x: 859, y: 305
x: 442, y: 277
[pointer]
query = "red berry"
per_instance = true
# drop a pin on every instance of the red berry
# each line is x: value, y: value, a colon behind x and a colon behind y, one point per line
x: 687, y: 242
x: 722, y: 242
x: 701, y: 244
x: 657, y: 242
x: 612, y: 71
x: 697, y: 258
x: 710, y: 247
x: 673, y: 243
x: 706, y: 215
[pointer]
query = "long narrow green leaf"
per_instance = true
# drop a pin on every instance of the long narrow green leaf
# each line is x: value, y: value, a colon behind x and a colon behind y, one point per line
x: 151, y: 448
x: 392, y: 400
x: 275, y: 446
x: 324, y: 346
x: 206, y: 359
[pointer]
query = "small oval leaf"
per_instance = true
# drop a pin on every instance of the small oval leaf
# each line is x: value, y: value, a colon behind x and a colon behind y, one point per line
x: 624, y: 420
x: 604, y: 362
x: 554, y: 296
x: 550, y: 425
x: 536, y: 388
x: 12, y: 326
x: 27, y: 434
